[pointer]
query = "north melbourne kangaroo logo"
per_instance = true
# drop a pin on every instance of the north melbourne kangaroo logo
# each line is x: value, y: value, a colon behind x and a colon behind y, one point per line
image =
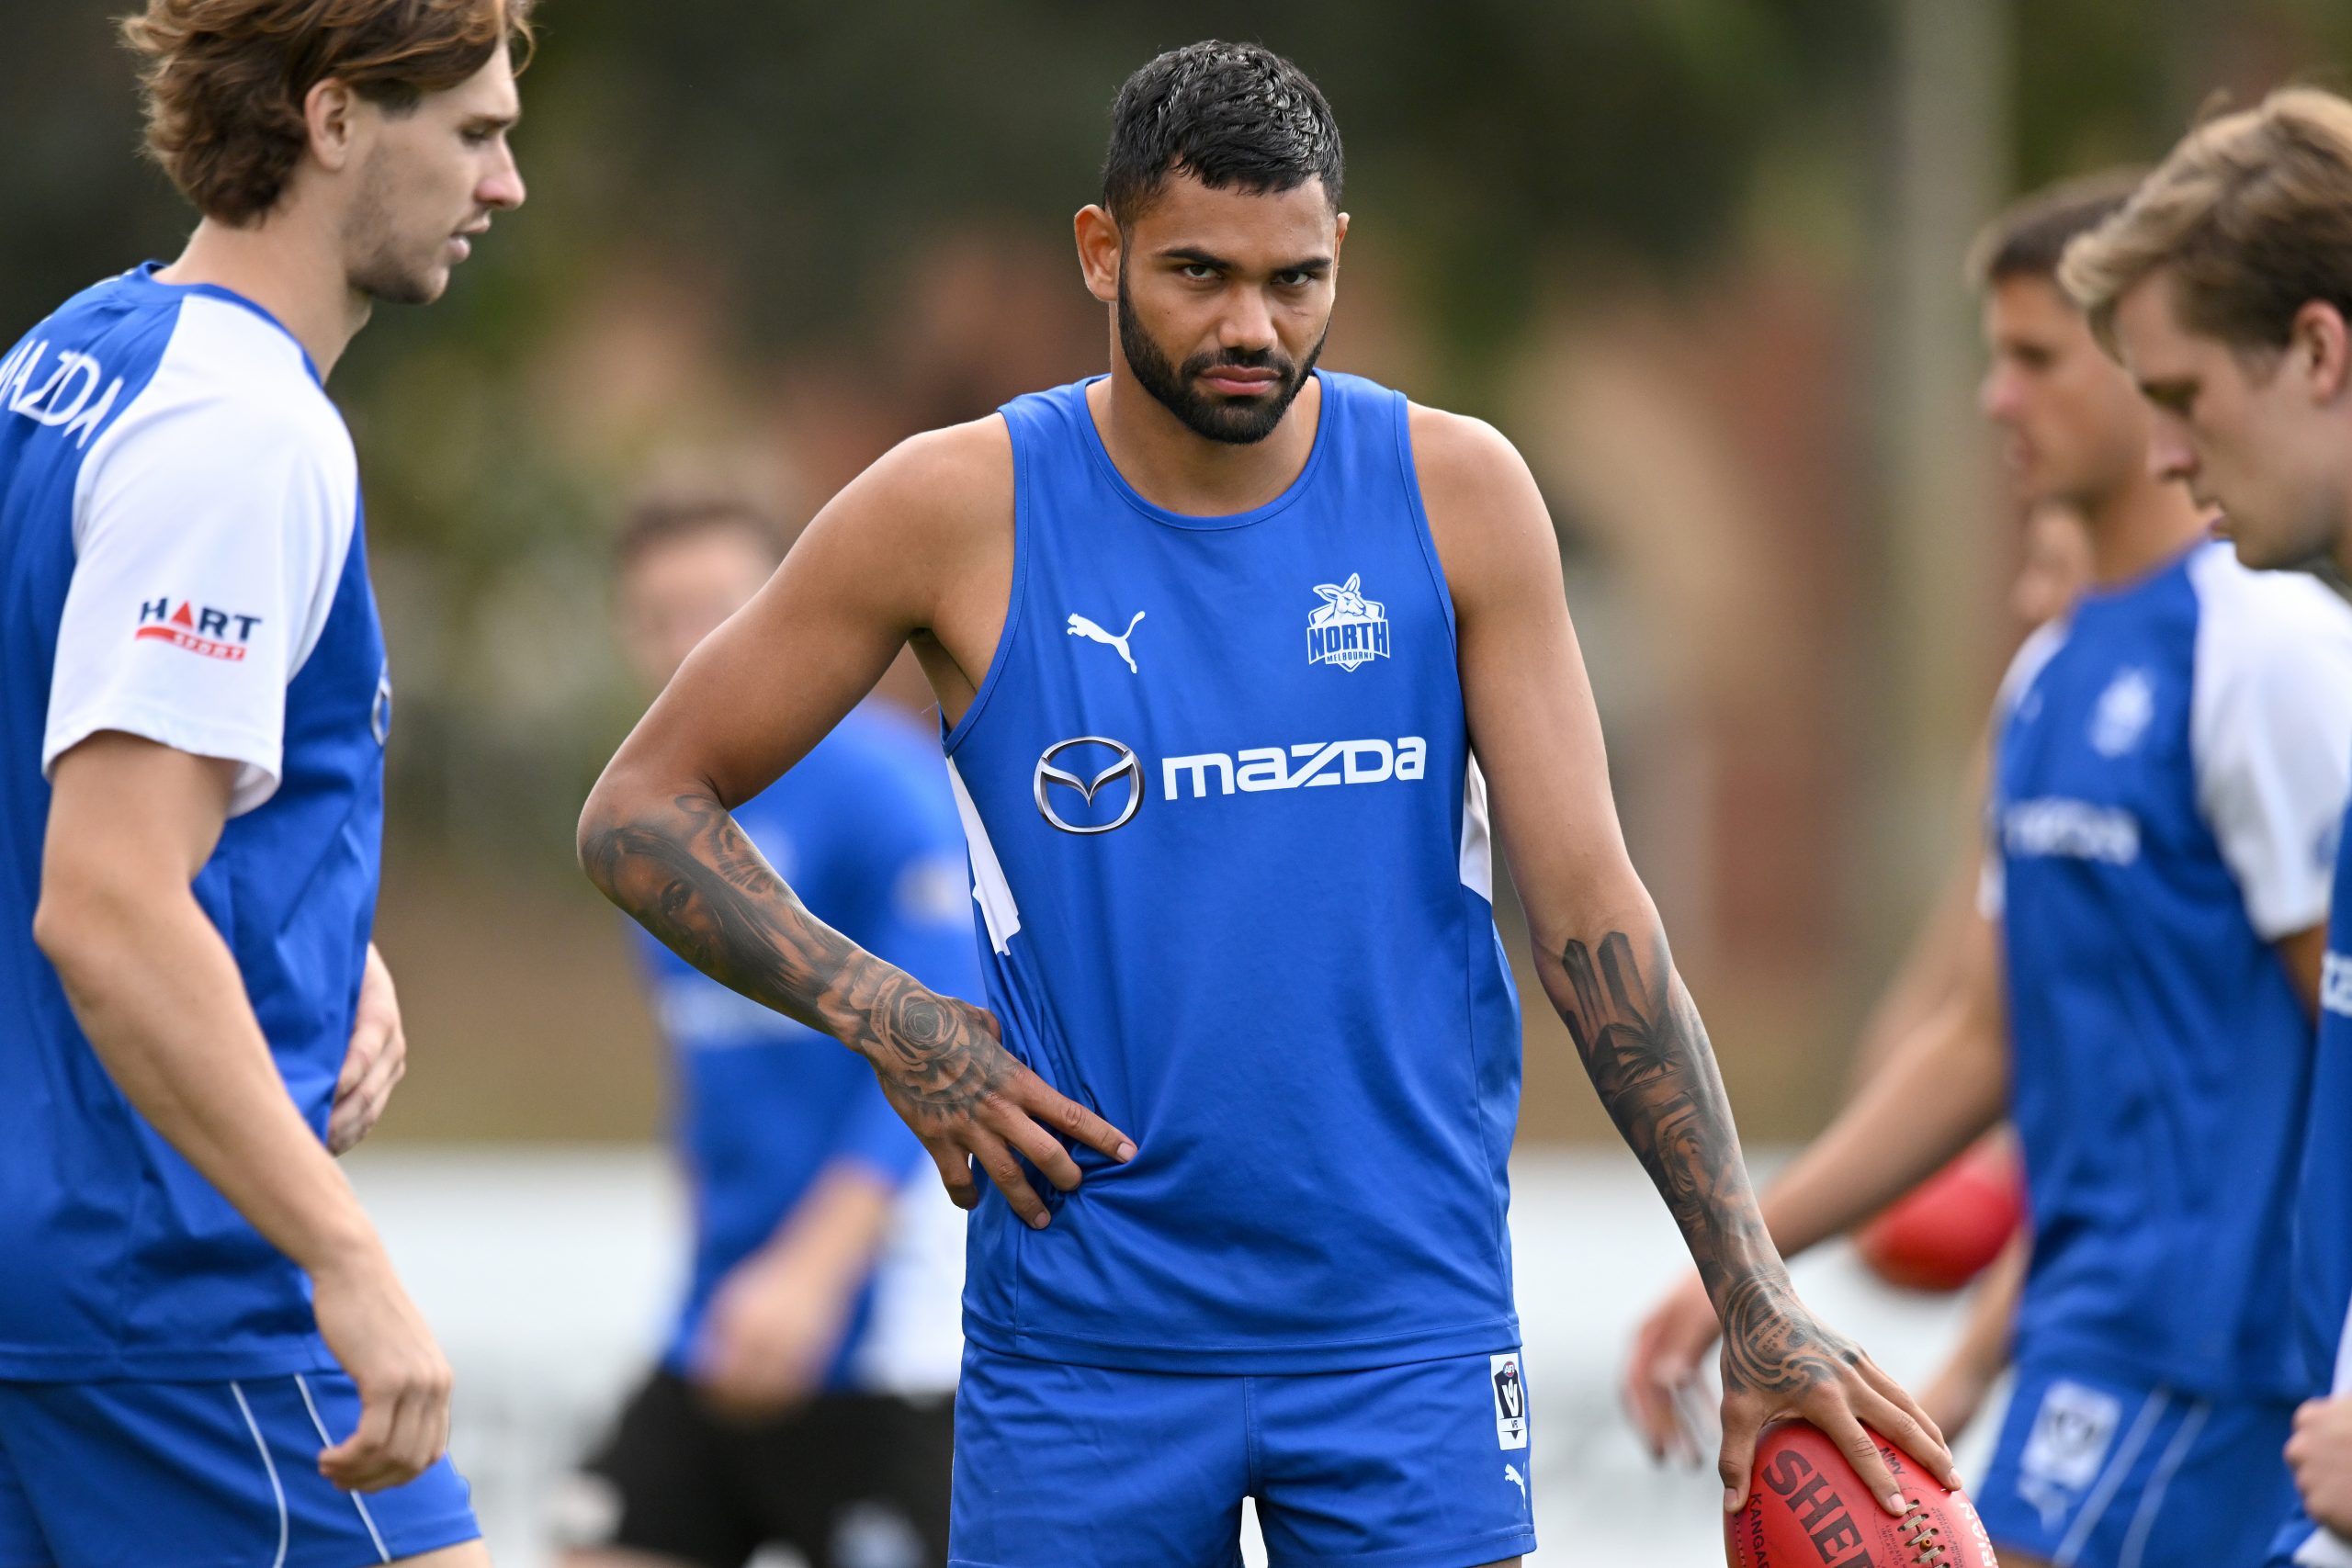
x: 1348, y: 628
x: 1080, y: 626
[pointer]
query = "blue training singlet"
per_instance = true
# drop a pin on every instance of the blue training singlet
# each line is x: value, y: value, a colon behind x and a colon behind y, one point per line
x: 1230, y: 849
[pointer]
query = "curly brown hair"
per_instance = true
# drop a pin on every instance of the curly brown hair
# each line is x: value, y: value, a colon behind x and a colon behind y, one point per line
x: 225, y: 79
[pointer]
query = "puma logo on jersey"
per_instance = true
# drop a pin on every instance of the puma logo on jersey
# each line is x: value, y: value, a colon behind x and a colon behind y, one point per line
x: 1080, y: 626
x: 1511, y: 1474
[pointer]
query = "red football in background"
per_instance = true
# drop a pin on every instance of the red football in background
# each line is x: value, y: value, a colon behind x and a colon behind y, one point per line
x: 1948, y: 1229
x: 1808, y: 1509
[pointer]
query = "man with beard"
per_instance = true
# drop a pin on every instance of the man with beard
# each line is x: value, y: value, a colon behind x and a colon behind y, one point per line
x: 1230, y: 651
x: 205, y: 1354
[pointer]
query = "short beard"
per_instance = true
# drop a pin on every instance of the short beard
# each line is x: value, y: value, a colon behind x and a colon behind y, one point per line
x: 1237, y: 423
x: 377, y: 269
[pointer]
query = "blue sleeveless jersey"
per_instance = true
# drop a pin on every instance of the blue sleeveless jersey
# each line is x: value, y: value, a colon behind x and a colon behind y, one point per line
x: 2169, y: 777
x: 180, y: 558
x: 1230, y: 849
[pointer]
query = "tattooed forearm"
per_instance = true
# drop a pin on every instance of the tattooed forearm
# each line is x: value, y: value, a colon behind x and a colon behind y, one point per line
x: 1648, y: 1057
x: 688, y: 875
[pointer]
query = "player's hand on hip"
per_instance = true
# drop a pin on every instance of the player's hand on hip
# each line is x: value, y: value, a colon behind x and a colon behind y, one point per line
x: 2320, y: 1454
x: 1780, y: 1360
x: 383, y: 1343
x: 942, y: 1062
x: 376, y: 1059
x: 1662, y: 1370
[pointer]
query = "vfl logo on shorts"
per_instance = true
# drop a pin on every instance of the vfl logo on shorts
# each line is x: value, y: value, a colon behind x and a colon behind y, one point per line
x: 2062, y: 1454
x: 1348, y: 629
x: 1510, y: 1400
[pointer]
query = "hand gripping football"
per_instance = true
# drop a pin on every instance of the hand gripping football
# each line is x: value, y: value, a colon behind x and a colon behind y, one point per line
x: 1808, y: 1509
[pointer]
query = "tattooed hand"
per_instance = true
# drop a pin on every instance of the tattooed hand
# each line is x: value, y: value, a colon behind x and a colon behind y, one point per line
x: 944, y: 1069
x: 687, y: 874
x: 1648, y: 1057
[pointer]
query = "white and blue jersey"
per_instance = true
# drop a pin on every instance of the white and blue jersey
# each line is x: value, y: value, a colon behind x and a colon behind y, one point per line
x: 2171, y: 771
x: 865, y: 831
x: 2324, y: 1212
x: 1231, y: 848
x: 181, y: 559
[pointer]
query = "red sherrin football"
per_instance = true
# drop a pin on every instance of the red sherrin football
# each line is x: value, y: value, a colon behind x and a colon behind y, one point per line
x: 1808, y: 1509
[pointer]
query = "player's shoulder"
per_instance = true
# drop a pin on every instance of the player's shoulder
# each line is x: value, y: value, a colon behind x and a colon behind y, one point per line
x: 232, y: 389
x: 949, y: 473
x: 2250, y: 620
x: 1486, y: 515
x: 1457, y: 450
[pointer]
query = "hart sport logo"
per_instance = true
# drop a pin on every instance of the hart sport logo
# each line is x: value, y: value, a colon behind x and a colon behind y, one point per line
x: 198, y: 628
x: 1346, y: 629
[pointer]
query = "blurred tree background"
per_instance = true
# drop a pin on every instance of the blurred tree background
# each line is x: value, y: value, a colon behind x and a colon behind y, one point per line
x: 1655, y: 240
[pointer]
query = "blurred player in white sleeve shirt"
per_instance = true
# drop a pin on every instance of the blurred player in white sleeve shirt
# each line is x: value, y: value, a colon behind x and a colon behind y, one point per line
x: 205, y: 1355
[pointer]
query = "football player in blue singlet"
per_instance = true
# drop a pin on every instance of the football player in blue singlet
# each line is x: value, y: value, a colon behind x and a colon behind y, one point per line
x: 805, y: 1396
x: 2225, y: 288
x: 1234, y: 655
x: 2170, y: 761
x: 205, y: 1355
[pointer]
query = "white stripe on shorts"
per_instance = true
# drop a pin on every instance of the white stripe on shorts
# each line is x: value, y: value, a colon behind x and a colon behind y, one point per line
x: 312, y: 1405
x: 2103, y: 1494
x: 268, y: 1465
x: 2143, y: 1523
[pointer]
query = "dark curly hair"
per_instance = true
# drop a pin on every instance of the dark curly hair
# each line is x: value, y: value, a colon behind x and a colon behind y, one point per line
x: 225, y: 79
x: 1230, y: 115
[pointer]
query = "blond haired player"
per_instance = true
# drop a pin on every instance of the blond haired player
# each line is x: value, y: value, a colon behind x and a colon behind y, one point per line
x: 2225, y: 288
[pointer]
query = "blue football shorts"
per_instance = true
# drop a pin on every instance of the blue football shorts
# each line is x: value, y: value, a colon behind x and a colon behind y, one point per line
x: 1418, y: 1466
x: 203, y: 1475
x: 2096, y: 1469
x: 2300, y: 1536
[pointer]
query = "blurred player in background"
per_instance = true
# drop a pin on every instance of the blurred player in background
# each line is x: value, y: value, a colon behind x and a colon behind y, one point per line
x: 2169, y: 762
x: 1220, y: 635
x: 2227, y: 286
x: 205, y: 1355
x: 805, y: 1396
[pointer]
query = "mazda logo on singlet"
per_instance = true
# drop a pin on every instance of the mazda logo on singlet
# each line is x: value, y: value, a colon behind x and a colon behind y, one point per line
x: 1125, y: 771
